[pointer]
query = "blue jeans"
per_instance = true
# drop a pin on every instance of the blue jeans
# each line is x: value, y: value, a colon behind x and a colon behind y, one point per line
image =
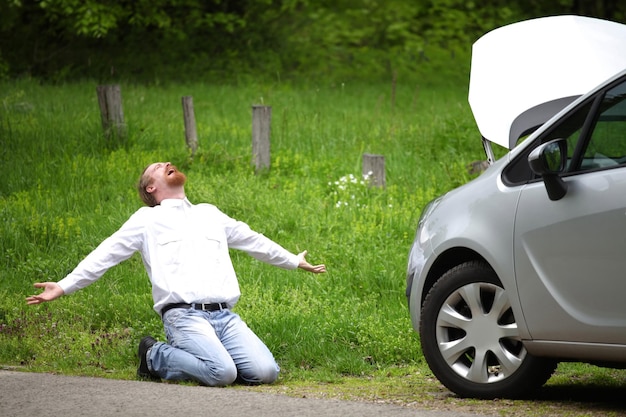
x: 213, y: 348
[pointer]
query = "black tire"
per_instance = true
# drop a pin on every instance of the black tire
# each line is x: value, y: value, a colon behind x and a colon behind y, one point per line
x: 470, y: 339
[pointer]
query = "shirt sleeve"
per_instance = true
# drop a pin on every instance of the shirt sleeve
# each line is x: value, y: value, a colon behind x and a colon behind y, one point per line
x: 118, y: 247
x: 241, y: 237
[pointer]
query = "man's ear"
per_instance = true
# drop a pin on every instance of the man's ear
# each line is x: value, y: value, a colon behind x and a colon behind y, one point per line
x: 150, y: 189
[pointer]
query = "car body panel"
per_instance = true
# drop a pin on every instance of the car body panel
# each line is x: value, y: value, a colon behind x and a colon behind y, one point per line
x: 599, y: 353
x: 569, y: 259
x: 488, y: 233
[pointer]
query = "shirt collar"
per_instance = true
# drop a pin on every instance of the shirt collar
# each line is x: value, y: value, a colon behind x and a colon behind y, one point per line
x: 175, y: 202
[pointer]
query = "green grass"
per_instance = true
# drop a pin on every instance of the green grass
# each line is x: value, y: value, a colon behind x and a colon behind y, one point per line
x: 65, y: 188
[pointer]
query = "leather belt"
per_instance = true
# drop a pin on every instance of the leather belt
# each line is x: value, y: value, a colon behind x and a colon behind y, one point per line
x: 196, y: 306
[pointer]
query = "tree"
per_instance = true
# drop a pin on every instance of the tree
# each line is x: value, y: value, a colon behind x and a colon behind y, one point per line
x: 146, y: 38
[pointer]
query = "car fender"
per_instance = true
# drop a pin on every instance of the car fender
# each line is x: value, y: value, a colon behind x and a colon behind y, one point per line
x: 472, y: 222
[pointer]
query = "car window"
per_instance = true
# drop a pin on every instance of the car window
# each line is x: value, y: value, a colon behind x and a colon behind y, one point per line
x: 592, y: 142
x: 607, y: 144
x: 568, y: 128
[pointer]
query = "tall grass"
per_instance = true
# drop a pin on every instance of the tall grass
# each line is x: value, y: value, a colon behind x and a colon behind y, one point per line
x: 64, y: 189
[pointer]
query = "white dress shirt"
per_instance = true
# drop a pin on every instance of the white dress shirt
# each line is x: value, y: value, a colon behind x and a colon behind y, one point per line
x: 184, y: 248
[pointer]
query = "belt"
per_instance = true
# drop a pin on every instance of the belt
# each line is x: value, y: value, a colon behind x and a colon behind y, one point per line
x: 196, y: 306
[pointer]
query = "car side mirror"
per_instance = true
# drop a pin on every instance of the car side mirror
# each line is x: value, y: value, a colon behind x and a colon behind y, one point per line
x: 548, y: 160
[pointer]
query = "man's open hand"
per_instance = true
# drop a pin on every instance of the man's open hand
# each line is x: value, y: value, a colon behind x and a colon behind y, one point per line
x: 51, y: 291
x: 303, y: 264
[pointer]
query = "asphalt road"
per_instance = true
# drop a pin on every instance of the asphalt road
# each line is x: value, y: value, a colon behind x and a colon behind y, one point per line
x: 30, y: 394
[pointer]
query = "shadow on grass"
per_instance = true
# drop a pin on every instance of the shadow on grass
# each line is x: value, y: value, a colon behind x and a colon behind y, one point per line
x: 580, y: 400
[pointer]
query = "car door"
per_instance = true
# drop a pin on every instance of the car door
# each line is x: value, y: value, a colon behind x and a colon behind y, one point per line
x: 570, y: 254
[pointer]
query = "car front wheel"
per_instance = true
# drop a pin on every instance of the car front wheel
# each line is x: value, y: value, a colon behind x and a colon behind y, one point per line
x: 470, y: 338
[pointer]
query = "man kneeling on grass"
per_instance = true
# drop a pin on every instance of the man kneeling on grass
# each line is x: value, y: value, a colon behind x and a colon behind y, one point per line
x: 184, y: 248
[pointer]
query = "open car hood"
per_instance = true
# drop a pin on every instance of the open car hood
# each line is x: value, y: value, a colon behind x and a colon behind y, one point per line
x: 524, y: 73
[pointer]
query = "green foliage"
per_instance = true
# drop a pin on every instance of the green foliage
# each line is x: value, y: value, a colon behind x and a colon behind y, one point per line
x: 65, y: 189
x: 179, y: 40
x: 89, y: 17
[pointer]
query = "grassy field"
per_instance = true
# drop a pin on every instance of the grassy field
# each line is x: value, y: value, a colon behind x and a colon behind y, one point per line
x: 65, y: 188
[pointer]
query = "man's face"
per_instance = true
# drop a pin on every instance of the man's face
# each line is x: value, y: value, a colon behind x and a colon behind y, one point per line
x: 164, y: 173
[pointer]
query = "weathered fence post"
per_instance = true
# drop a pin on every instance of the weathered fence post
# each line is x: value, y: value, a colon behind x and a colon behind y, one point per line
x: 191, y: 134
x: 110, y: 100
x: 261, y: 126
x: 374, y: 169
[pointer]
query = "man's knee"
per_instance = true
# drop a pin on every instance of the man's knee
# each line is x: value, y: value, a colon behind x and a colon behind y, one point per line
x: 266, y: 374
x: 220, y: 376
x: 270, y: 375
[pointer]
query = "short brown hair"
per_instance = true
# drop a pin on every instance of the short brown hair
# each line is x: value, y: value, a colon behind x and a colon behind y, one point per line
x: 144, y: 182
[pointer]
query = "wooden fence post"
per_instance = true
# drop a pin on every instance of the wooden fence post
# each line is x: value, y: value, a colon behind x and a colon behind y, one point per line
x: 110, y: 100
x: 374, y: 169
x: 191, y: 134
x: 261, y: 126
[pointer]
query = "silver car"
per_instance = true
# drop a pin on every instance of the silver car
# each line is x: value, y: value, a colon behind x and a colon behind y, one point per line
x: 525, y: 266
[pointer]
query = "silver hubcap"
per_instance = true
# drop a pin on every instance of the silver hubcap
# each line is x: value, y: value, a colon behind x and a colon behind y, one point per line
x: 477, y: 334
